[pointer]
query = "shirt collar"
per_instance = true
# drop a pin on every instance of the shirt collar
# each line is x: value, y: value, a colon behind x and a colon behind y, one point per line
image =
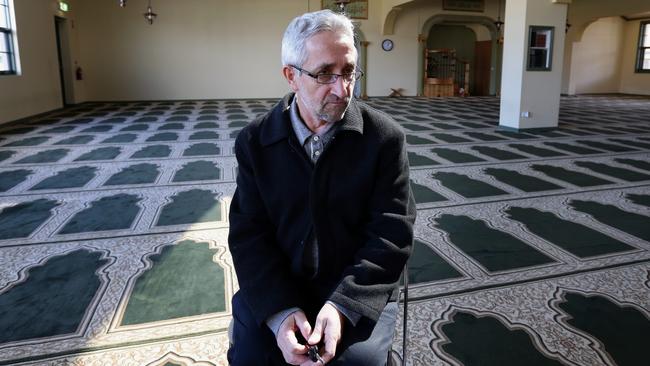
x: 299, y: 127
x: 278, y: 124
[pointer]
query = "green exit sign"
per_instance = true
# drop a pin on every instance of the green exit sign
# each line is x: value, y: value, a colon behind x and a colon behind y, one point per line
x: 63, y: 6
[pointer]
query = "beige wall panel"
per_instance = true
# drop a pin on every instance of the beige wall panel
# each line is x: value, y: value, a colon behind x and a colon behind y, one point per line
x: 632, y: 82
x: 583, y: 12
x: 195, y: 49
x: 397, y: 68
x: 597, y: 58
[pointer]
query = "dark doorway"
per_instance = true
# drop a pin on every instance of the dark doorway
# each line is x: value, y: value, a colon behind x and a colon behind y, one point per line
x: 63, y: 53
x: 482, y: 62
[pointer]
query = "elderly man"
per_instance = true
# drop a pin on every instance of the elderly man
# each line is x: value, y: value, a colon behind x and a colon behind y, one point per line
x: 321, y: 223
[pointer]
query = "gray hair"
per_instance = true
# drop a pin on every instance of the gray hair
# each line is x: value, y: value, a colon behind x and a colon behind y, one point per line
x: 307, y: 25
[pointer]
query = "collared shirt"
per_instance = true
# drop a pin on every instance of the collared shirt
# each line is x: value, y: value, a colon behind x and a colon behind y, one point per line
x: 313, y: 143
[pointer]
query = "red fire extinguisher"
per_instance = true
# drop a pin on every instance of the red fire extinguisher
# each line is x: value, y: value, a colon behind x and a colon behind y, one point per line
x: 79, y: 74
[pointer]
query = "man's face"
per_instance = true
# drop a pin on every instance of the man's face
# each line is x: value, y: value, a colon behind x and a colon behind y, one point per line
x: 331, y: 53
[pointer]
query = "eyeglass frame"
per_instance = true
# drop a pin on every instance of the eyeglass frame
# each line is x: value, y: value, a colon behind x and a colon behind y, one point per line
x: 358, y: 74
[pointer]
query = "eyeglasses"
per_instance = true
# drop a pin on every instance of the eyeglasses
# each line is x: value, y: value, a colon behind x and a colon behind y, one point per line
x: 325, y: 78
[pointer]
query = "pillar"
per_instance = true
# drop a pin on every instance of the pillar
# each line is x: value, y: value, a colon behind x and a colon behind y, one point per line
x: 530, y: 99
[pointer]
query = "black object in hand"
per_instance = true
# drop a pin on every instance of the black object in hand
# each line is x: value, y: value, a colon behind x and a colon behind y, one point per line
x: 314, y: 356
x: 312, y: 352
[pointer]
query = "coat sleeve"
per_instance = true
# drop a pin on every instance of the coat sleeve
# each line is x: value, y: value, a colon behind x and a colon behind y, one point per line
x: 262, y: 270
x: 367, y: 284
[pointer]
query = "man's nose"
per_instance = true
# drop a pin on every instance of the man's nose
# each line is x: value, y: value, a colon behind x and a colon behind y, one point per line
x: 341, y: 87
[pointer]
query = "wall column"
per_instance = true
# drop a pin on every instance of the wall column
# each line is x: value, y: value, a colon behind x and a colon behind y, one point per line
x: 364, y: 67
x: 531, y: 99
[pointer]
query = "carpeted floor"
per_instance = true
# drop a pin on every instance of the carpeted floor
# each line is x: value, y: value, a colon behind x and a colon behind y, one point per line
x: 532, y: 248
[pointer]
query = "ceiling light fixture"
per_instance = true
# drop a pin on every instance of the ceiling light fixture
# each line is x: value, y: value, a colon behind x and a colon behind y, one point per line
x: 341, y: 4
x: 150, y: 15
x: 499, y: 23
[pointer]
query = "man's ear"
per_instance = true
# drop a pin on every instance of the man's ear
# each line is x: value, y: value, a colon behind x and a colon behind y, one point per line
x: 290, y: 74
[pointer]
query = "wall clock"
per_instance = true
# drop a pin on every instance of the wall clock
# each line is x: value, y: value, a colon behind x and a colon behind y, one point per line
x: 387, y: 45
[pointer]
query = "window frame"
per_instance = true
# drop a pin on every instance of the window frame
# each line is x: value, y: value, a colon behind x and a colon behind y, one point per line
x: 533, y: 31
x: 645, y: 25
x: 7, y: 36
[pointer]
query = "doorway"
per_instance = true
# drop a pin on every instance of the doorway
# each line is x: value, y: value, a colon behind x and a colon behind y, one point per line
x: 63, y: 53
x: 482, y: 65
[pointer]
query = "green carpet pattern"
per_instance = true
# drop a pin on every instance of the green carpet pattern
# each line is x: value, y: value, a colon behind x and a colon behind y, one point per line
x: 157, y: 294
x: 53, y: 298
x: 622, y: 330
x: 531, y: 248
x: 476, y: 340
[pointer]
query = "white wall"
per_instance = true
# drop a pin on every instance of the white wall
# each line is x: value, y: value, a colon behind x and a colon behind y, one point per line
x: 581, y: 14
x: 196, y: 49
x: 199, y: 49
x: 597, y: 57
x: 37, y: 89
x: 632, y: 82
x: 397, y: 68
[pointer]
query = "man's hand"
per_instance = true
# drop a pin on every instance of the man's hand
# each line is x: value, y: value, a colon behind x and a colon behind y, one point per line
x: 293, y: 352
x: 329, y: 328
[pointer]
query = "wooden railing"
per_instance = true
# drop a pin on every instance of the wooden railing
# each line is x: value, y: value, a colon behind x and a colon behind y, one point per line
x: 444, y: 74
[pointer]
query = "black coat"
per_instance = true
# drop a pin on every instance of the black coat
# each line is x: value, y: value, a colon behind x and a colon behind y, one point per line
x: 356, y: 200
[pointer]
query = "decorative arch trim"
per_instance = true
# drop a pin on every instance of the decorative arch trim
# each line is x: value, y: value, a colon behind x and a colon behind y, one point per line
x: 362, y: 46
x: 389, y: 22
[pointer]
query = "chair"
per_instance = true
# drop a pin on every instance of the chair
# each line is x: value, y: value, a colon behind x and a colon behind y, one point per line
x: 393, y: 357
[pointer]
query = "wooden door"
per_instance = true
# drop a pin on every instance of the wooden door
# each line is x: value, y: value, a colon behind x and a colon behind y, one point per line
x: 482, y: 63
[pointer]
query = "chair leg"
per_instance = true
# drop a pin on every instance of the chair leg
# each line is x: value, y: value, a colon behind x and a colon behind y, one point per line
x: 405, y: 317
x: 230, y: 332
x: 393, y: 359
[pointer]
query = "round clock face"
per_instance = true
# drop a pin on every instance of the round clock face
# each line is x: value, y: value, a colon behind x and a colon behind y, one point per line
x: 387, y: 45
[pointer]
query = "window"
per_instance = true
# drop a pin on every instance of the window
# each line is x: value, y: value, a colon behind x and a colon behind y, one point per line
x: 7, y: 54
x: 643, y: 56
x: 540, y: 47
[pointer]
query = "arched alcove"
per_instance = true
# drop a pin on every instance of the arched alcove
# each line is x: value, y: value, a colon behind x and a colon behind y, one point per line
x: 460, y: 20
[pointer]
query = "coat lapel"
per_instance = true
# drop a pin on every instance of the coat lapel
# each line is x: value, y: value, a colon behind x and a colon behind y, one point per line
x: 276, y: 125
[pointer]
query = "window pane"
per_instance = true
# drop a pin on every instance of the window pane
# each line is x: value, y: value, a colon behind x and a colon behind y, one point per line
x: 3, y: 42
x: 537, y: 58
x: 4, y: 62
x: 645, y: 65
x: 4, y: 17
